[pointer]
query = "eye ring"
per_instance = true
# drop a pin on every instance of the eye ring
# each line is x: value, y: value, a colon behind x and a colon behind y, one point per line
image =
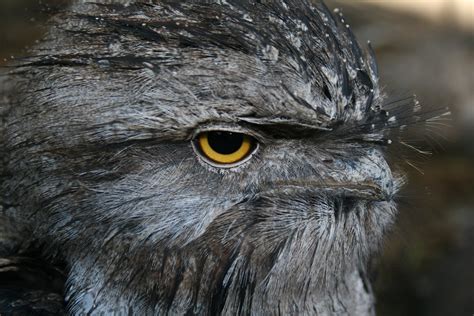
x: 224, y: 149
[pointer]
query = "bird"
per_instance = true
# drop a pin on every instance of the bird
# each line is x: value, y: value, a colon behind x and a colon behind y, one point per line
x: 194, y: 157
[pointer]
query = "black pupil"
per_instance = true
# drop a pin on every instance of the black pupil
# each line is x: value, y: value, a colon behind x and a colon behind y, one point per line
x: 225, y: 143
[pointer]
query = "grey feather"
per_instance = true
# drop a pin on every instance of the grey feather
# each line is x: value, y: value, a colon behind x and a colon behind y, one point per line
x: 98, y: 162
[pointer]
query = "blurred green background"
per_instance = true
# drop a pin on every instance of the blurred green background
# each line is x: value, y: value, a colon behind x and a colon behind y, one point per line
x: 428, y: 263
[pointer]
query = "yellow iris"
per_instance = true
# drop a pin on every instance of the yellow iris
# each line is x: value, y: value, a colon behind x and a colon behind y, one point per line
x: 225, y: 158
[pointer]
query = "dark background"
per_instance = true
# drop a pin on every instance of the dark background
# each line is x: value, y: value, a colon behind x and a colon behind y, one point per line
x: 428, y: 263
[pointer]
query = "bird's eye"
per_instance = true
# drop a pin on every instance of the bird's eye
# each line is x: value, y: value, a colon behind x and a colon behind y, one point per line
x: 225, y: 148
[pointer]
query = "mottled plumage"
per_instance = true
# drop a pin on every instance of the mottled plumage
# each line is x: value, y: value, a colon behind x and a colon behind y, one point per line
x: 99, y: 168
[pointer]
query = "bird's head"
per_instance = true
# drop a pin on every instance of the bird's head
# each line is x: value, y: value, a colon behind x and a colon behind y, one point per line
x: 202, y: 156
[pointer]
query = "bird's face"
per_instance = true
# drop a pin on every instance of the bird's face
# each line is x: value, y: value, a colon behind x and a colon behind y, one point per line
x: 206, y: 157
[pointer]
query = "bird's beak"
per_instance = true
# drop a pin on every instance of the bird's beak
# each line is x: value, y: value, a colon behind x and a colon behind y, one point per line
x: 367, y: 190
